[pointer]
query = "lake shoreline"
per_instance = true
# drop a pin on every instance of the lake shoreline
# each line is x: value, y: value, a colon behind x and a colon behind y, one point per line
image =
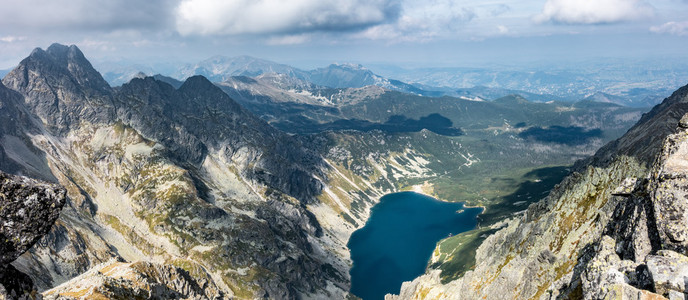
x: 427, y: 189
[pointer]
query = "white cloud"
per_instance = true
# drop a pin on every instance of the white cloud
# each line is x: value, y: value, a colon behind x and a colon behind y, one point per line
x: 289, y: 39
x: 502, y: 29
x: 594, y: 11
x: 12, y: 39
x: 421, y: 21
x: 673, y: 28
x: 233, y: 17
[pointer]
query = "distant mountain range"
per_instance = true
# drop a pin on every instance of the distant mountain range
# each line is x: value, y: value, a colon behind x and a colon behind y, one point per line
x: 220, y: 68
x: 639, y: 84
x: 466, y: 83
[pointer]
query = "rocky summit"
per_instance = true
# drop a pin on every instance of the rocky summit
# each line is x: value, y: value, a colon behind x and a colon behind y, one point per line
x: 616, y: 228
x: 28, y: 209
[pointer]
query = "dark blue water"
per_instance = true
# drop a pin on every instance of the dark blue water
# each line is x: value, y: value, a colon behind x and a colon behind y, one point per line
x: 396, y: 243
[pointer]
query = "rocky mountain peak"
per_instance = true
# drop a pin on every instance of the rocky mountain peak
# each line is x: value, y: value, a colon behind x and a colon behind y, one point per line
x: 144, y: 157
x: 63, y: 53
x: 197, y: 82
x: 203, y: 90
x: 349, y: 66
x: 70, y: 59
x: 221, y: 68
x: 61, y: 87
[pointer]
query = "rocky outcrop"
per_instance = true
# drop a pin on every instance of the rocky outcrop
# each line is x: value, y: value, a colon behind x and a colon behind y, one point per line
x: 644, y: 246
x: 28, y: 209
x: 615, y: 228
x: 140, y: 280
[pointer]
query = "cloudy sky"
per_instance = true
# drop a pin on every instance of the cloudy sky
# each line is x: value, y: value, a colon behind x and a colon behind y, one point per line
x: 310, y: 33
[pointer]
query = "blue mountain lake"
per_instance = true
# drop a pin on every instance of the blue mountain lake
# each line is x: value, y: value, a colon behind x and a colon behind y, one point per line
x: 397, y: 241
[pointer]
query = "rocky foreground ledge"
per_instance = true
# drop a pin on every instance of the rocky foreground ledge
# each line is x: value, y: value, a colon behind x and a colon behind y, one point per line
x: 28, y: 208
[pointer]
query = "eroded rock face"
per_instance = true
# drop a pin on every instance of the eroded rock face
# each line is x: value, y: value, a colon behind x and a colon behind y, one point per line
x: 670, y: 194
x: 139, y: 280
x: 83, y: 93
x: 669, y: 272
x: 28, y: 209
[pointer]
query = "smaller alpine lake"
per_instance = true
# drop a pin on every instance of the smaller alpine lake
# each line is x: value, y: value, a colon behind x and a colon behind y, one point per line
x: 398, y: 239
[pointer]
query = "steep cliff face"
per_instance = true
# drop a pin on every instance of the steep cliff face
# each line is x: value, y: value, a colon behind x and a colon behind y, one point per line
x: 15, y: 123
x: 198, y: 118
x: 176, y: 177
x: 614, y: 228
x: 28, y: 208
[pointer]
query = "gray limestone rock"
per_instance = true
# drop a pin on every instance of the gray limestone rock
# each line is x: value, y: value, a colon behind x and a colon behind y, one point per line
x: 606, y: 272
x: 61, y: 87
x: 28, y: 208
x: 670, y: 193
x: 683, y: 123
x: 138, y: 280
x: 669, y: 272
x: 674, y: 295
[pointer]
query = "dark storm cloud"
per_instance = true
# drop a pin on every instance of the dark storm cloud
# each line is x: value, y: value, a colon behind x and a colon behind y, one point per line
x: 234, y: 17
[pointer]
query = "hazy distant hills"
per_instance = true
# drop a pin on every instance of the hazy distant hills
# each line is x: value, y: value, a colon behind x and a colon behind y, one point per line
x: 221, y: 68
x: 297, y: 106
x: 639, y: 84
x: 122, y: 75
x: 639, y: 87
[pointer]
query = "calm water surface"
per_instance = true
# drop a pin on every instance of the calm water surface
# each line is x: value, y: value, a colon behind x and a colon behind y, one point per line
x: 396, y: 243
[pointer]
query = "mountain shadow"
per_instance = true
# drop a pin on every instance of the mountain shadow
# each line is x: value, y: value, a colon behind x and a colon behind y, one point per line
x: 396, y: 123
x: 570, y: 136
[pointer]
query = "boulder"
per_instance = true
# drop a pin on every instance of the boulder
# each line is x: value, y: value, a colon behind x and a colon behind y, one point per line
x: 28, y: 209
